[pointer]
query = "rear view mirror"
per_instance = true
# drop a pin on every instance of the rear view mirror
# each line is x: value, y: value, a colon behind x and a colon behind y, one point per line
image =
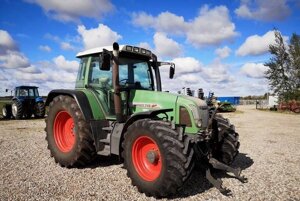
x: 105, y: 60
x: 171, y: 72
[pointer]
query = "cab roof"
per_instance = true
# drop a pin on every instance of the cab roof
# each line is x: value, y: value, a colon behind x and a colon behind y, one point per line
x: 26, y: 87
x: 122, y: 48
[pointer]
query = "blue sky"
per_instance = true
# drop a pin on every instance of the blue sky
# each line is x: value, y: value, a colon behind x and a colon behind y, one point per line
x: 219, y: 46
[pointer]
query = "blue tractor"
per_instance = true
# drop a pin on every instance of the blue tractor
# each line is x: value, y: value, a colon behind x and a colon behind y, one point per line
x: 25, y: 103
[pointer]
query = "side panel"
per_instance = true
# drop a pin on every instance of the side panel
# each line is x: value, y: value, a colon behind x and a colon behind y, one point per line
x: 143, y: 100
x: 186, y: 103
x: 95, y: 105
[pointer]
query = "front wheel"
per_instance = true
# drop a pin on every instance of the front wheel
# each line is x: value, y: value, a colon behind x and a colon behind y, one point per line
x: 68, y: 134
x: 157, y: 160
x: 6, y: 112
x: 39, y: 110
x: 227, y: 143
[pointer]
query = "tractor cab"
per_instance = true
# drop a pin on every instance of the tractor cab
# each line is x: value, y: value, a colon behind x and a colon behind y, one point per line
x: 26, y: 92
x: 138, y: 73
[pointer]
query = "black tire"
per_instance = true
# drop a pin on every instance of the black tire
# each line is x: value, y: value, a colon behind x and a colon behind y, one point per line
x: 81, y: 150
x: 6, y: 111
x: 175, y: 156
x: 17, y: 109
x: 27, y: 115
x: 226, y: 145
x: 39, y: 110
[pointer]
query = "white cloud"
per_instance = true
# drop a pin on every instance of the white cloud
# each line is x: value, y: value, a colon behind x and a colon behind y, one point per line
x: 45, y: 48
x: 263, y: 10
x: 2, y: 77
x: 62, y: 63
x: 144, y: 45
x: 188, y: 79
x: 217, y: 72
x: 10, y: 57
x: 31, y: 69
x: 213, y: 77
x: 32, y: 77
x: 6, y: 42
x: 166, y: 47
x: 97, y: 37
x: 14, y: 59
x: 72, y: 10
x: 52, y: 37
x: 254, y: 70
x: 223, y: 52
x: 211, y: 27
x: 67, y: 46
x: 16, y: 69
x: 165, y: 22
x: 257, y: 45
x: 186, y: 65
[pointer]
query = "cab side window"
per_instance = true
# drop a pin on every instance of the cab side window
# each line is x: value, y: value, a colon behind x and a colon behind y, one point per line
x: 99, y: 78
x: 82, y: 68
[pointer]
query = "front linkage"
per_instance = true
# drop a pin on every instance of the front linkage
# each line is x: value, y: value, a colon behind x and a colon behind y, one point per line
x: 203, y: 148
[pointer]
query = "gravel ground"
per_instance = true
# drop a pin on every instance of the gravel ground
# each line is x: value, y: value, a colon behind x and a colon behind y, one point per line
x: 270, y: 159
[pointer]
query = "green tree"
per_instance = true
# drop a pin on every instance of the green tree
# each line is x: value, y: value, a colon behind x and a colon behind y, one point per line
x: 283, y: 67
x: 294, y: 53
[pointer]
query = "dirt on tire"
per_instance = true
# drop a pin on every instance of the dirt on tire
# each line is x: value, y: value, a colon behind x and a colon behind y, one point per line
x: 82, y: 150
x: 176, y: 158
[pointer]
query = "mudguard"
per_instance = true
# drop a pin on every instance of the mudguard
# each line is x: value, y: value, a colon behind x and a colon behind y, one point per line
x: 121, y: 128
x: 148, y: 114
x: 79, y: 97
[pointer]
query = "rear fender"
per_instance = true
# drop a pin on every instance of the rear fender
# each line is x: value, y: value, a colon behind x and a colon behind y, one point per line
x: 78, y: 96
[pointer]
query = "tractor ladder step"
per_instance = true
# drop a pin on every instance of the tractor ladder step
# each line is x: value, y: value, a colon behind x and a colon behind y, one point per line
x: 107, y: 128
x: 105, y: 151
x: 106, y: 140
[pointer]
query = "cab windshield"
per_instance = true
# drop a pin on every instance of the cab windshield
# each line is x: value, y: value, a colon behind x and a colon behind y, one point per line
x: 133, y: 73
x: 31, y: 92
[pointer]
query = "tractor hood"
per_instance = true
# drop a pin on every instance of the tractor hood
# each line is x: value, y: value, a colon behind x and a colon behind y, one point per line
x: 143, y: 100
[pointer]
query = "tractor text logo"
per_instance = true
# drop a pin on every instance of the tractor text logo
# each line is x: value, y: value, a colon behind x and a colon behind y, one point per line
x: 146, y: 105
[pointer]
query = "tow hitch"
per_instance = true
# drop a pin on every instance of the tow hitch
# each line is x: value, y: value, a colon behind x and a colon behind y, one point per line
x: 217, y: 182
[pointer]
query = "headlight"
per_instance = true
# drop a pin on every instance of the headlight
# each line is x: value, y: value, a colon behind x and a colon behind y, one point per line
x: 184, y: 117
x: 196, y: 115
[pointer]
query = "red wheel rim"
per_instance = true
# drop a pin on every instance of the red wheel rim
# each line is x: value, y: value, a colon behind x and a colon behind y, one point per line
x: 144, y: 146
x: 64, y: 134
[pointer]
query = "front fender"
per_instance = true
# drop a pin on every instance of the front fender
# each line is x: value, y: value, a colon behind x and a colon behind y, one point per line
x: 118, y: 136
x: 39, y: 99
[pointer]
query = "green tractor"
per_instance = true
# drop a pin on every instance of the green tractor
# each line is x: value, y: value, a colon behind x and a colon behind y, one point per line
x: 118, y: 108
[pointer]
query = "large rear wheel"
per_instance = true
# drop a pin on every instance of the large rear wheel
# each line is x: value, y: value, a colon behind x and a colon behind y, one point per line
x: 156, y: 158
x: 68, y: 134
x: 17, y: 109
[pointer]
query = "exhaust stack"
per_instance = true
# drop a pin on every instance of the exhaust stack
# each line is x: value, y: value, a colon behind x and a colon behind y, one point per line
x: 115, y: 77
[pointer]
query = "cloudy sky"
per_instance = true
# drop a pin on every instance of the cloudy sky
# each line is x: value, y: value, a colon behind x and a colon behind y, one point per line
x: 219, y: 46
